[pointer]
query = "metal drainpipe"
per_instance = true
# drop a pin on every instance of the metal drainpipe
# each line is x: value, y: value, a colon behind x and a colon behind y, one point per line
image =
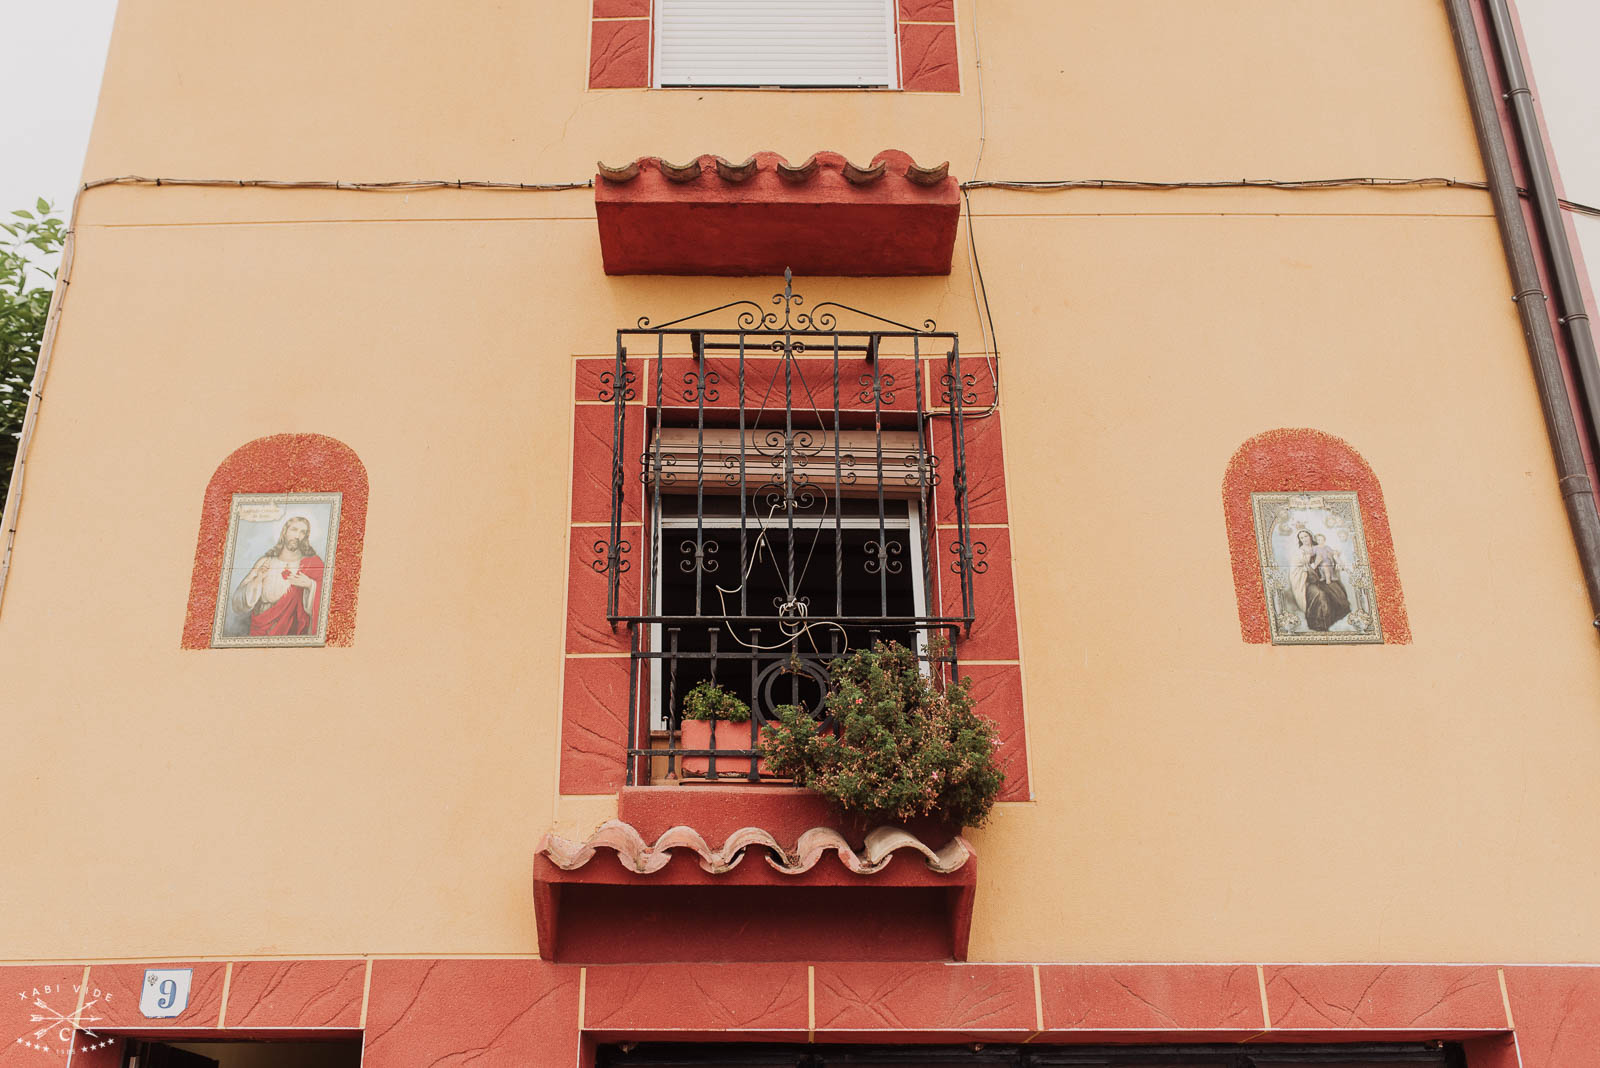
x: 1577, y: 494
x: 1547, y: 207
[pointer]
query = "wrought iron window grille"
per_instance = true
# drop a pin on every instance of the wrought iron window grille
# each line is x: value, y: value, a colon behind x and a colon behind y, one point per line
x: 802, y: 438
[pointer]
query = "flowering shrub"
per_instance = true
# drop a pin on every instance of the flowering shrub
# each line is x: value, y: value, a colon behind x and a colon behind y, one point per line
x: 904, y: 748
x: 709, y: 701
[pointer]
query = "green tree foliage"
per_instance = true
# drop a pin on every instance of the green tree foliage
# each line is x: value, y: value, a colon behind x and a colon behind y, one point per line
x: 905, y: 747
x: 31, y: 237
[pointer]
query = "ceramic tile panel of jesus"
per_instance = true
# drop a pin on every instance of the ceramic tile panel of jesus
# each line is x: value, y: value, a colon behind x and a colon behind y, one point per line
x: 277, y: 570
x: 1315, y: 569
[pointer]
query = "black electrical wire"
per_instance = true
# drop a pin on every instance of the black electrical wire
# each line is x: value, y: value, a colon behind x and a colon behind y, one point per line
x: 1136, y: 184
x: 983, y: 293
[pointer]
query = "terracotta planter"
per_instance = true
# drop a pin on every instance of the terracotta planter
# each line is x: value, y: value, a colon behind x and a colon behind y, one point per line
x: 731, y: 737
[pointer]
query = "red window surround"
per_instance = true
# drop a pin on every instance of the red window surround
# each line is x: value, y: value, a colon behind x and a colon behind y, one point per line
x: 282, y: 463
x: 595, y: 680
x: 1292, y: 460
x: 619, y: 45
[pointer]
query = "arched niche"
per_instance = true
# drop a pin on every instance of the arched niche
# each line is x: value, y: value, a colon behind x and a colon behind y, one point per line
x: 282, y: 464
x: 1300, y: 460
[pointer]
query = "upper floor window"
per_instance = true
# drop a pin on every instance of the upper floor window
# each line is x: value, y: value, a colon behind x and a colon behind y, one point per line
x: 785, y: 43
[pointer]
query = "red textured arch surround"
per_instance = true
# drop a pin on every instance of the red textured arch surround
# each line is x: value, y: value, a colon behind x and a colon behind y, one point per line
x: 1290, y: 460
x: 282, y: 463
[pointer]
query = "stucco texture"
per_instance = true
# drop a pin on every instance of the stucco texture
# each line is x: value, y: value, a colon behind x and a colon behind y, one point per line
x: 1197, y: 798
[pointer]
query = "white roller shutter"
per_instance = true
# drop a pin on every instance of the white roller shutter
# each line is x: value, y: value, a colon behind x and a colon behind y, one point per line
x: 775, y: 42
x: 707, y: 459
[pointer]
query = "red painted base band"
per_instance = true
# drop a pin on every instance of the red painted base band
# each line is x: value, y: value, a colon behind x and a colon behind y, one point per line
x: 533, y: 1012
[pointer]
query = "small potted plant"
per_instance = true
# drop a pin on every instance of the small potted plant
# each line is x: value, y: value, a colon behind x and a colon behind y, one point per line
x: 905, y: 748
x: 704, y: 704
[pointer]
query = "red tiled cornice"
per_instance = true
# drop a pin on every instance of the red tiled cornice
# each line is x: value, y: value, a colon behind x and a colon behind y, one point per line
x: 890, y: 163
x: 638, y: 855
x: 826, y: 215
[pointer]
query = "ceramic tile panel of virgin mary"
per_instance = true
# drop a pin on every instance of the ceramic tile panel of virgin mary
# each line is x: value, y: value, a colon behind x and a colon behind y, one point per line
x: 1314, y: 568
x: 277, y: 570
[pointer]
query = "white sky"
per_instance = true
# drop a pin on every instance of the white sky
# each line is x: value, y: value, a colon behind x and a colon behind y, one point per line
x: 55, y: 50
x: 1561, y: 38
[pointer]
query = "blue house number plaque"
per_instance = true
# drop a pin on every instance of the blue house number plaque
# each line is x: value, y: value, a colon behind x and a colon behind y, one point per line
x: 165, y: 992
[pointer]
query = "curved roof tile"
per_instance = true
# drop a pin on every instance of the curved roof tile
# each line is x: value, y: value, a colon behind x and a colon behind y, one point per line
x: 824, y: 215
x: 636, y: 854
x: 889, y: 162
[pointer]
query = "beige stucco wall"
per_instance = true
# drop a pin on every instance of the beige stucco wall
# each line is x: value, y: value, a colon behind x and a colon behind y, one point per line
x: 1197, y: 798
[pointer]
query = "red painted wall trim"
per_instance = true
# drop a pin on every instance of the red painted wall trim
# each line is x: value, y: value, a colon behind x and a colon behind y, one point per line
x: 929, y: 57
x: 1302, y: 460
x: 282, y: 463
x: 527, y: 1011
x: 594, y: 704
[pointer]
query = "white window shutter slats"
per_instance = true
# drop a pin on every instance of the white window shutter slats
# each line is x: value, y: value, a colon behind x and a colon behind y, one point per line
x: 706, y: 458
x: 775, y: 42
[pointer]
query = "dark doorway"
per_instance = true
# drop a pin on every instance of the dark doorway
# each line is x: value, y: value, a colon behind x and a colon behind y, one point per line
x: 1389, y: 1055
x: 345, y: 1053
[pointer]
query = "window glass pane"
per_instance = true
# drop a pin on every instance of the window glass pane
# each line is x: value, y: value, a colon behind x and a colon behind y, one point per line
x: 753, y: 657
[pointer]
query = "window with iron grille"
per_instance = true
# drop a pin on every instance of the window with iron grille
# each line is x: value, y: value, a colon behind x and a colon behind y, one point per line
x: 792, y: 511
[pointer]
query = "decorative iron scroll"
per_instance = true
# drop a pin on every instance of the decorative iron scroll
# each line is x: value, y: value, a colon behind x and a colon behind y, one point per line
x: 779, y: 435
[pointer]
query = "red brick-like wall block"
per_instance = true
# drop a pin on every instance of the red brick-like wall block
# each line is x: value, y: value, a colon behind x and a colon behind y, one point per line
x: 539, y: 1013
x: 928, y: 58
x: 619, y: 45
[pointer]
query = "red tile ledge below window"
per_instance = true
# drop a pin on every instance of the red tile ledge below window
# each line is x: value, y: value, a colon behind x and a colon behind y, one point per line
x: 717, y: 811
x: 618, y: 898
x: 824, y: 216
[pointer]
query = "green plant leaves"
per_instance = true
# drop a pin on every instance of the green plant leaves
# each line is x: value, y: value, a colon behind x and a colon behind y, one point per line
x: 904, y: 748
x: 709, y: 701
x: 23, y: 310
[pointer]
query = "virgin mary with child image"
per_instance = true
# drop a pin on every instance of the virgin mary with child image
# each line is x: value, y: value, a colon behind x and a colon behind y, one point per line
x: 1314, y: 580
